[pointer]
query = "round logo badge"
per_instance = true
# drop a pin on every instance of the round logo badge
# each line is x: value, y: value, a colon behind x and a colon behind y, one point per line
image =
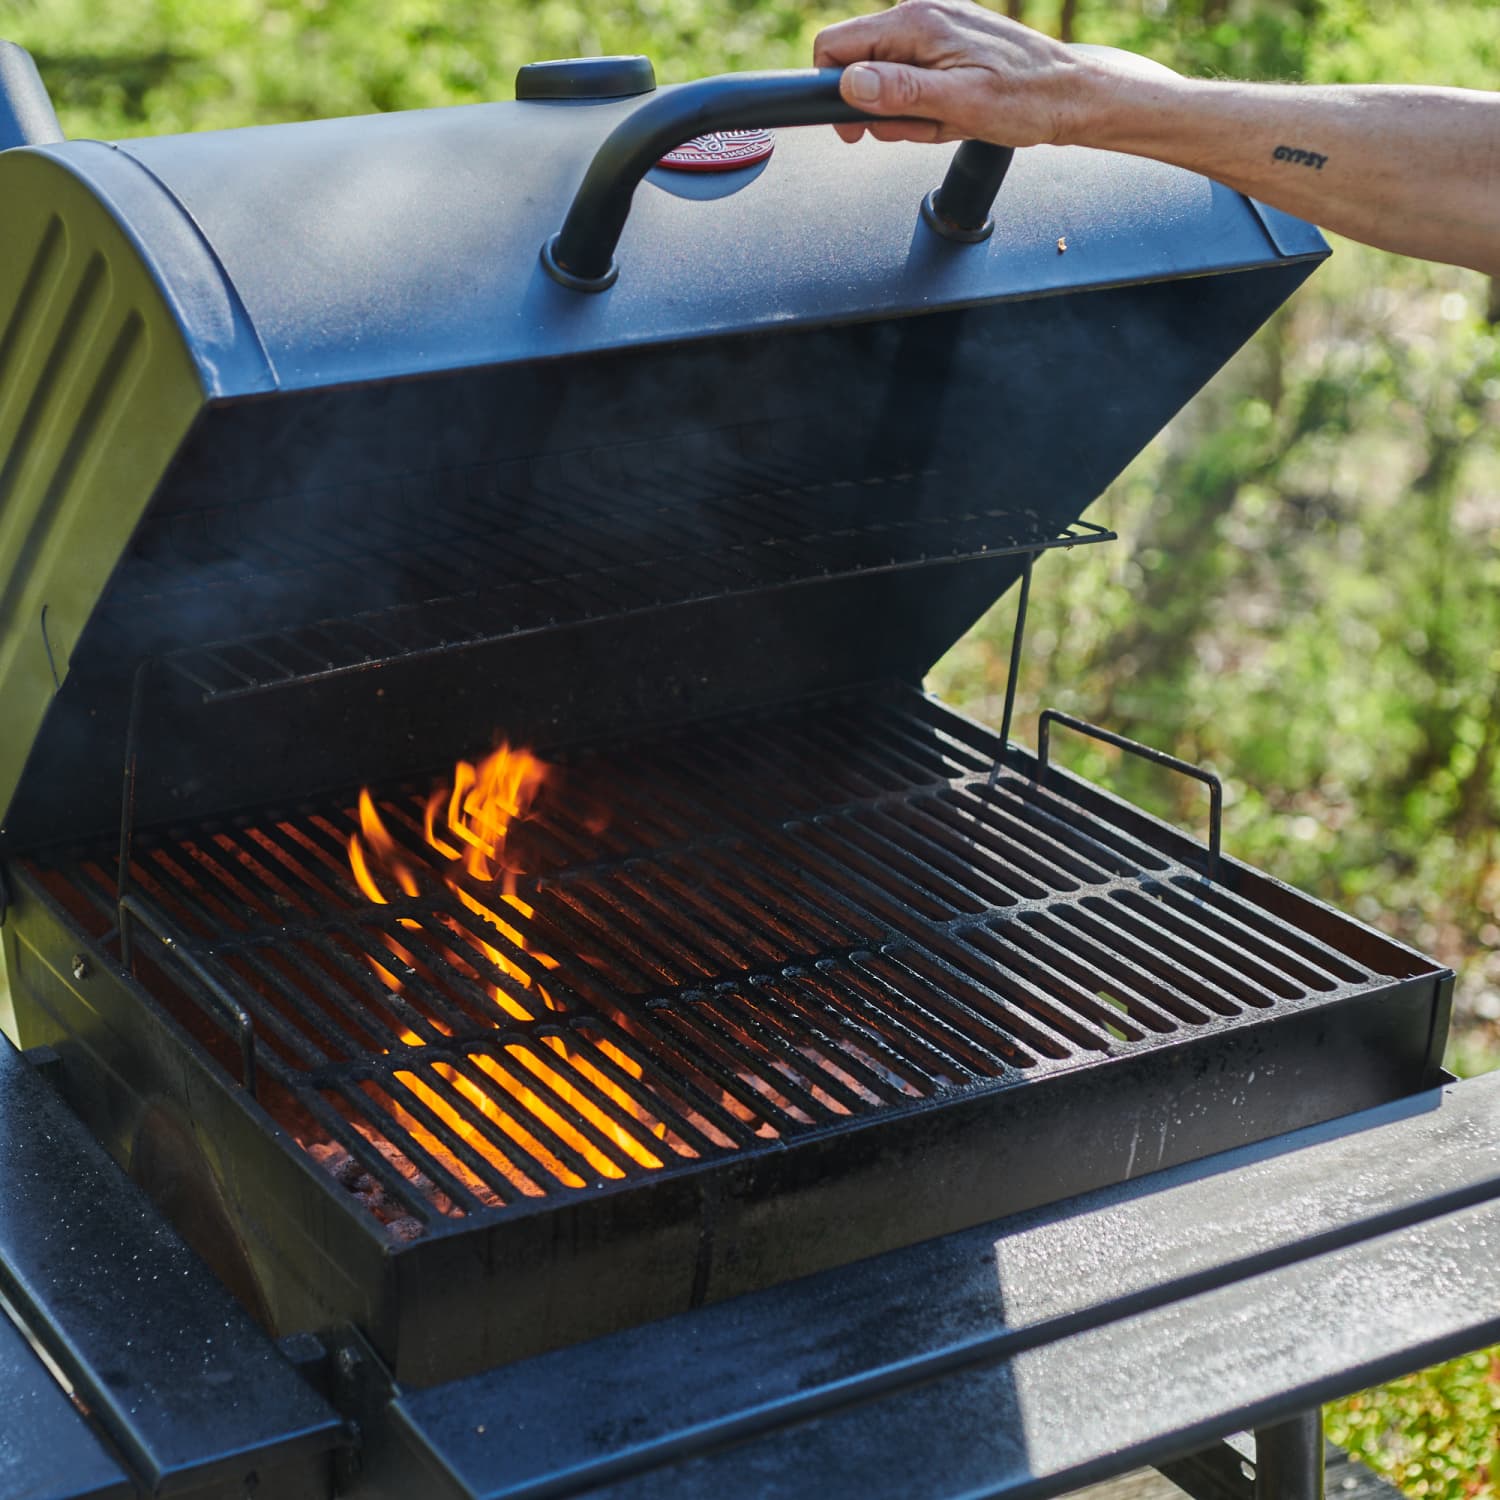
x: 722, y: 151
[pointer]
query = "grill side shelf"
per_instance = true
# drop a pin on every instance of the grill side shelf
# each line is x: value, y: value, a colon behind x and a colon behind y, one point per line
x: 187, y: 1388
x: 49, y: 1447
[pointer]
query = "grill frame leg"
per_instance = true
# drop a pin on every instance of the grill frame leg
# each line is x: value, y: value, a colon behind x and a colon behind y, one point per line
x: 1289, y: 1461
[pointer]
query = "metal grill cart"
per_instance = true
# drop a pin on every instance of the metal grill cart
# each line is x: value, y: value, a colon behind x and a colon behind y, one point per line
x: 800, y: 1090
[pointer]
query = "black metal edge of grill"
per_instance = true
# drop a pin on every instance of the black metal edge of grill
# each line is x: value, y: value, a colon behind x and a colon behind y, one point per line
x: 654, y: 1245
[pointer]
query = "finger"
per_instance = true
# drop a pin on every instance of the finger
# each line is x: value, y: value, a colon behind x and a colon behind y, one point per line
x: 925, y: 131
x: 882, y: 88
x: 849, y: 41
x: 850, y: 133
x: 911, y: 29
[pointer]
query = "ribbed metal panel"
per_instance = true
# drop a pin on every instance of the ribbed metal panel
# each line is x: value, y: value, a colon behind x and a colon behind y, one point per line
x: 97, y: 390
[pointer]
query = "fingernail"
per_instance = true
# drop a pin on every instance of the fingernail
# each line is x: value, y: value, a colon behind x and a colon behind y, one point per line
x: 863, y: 84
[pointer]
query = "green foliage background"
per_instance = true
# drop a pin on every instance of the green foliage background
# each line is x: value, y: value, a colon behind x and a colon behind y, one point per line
x: 1306, y: 595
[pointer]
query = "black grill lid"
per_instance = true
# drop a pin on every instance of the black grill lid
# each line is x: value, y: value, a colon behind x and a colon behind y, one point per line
x: 295, y: 414
x: 385, y: 246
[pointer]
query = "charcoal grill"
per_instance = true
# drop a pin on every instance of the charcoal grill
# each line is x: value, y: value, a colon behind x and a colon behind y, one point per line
x: 330, y: 460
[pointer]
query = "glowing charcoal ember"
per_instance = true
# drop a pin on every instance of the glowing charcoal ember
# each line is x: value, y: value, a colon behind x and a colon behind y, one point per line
x: 532, y: 1102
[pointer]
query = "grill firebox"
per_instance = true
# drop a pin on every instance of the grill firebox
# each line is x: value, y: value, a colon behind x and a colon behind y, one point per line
x: 745, y: 966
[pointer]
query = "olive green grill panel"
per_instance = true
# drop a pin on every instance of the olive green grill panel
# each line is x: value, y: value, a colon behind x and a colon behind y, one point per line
x: 97, y: 391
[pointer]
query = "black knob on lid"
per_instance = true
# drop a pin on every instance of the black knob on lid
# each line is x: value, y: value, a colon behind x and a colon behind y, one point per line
x: 586, y: 78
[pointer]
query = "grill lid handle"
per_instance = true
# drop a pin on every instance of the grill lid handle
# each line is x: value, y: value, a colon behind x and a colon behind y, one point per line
x: 581, y: 255
x: 959, y: 208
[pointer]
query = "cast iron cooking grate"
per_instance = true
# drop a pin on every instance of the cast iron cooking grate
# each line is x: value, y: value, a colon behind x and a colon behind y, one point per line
x: 726, y: 939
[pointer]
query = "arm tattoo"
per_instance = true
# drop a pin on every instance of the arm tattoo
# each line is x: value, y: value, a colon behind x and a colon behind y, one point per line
x: 1302, y: 158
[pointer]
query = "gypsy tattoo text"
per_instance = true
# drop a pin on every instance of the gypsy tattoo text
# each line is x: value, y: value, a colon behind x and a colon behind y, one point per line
x: 1300, y: 157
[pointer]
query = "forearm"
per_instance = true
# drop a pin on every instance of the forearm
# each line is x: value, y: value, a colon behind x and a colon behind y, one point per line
x: 1410, y: 169
x: 1416, y: 170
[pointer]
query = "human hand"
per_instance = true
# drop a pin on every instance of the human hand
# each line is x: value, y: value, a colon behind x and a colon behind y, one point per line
x: 955, y: 71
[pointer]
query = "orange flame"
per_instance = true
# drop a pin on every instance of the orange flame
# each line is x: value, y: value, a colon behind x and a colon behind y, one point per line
x: 467, y: 825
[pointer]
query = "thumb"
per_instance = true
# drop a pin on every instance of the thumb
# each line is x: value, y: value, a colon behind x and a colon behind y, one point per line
x: 886, y: 88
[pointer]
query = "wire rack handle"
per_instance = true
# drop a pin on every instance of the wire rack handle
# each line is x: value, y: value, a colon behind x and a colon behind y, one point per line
x: 1051, y: 716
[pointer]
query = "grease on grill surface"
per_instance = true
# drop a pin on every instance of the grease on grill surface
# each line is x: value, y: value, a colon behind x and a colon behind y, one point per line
x: 709, y: 944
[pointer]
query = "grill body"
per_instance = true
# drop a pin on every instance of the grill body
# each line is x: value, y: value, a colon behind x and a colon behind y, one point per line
x: 871, y: 998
